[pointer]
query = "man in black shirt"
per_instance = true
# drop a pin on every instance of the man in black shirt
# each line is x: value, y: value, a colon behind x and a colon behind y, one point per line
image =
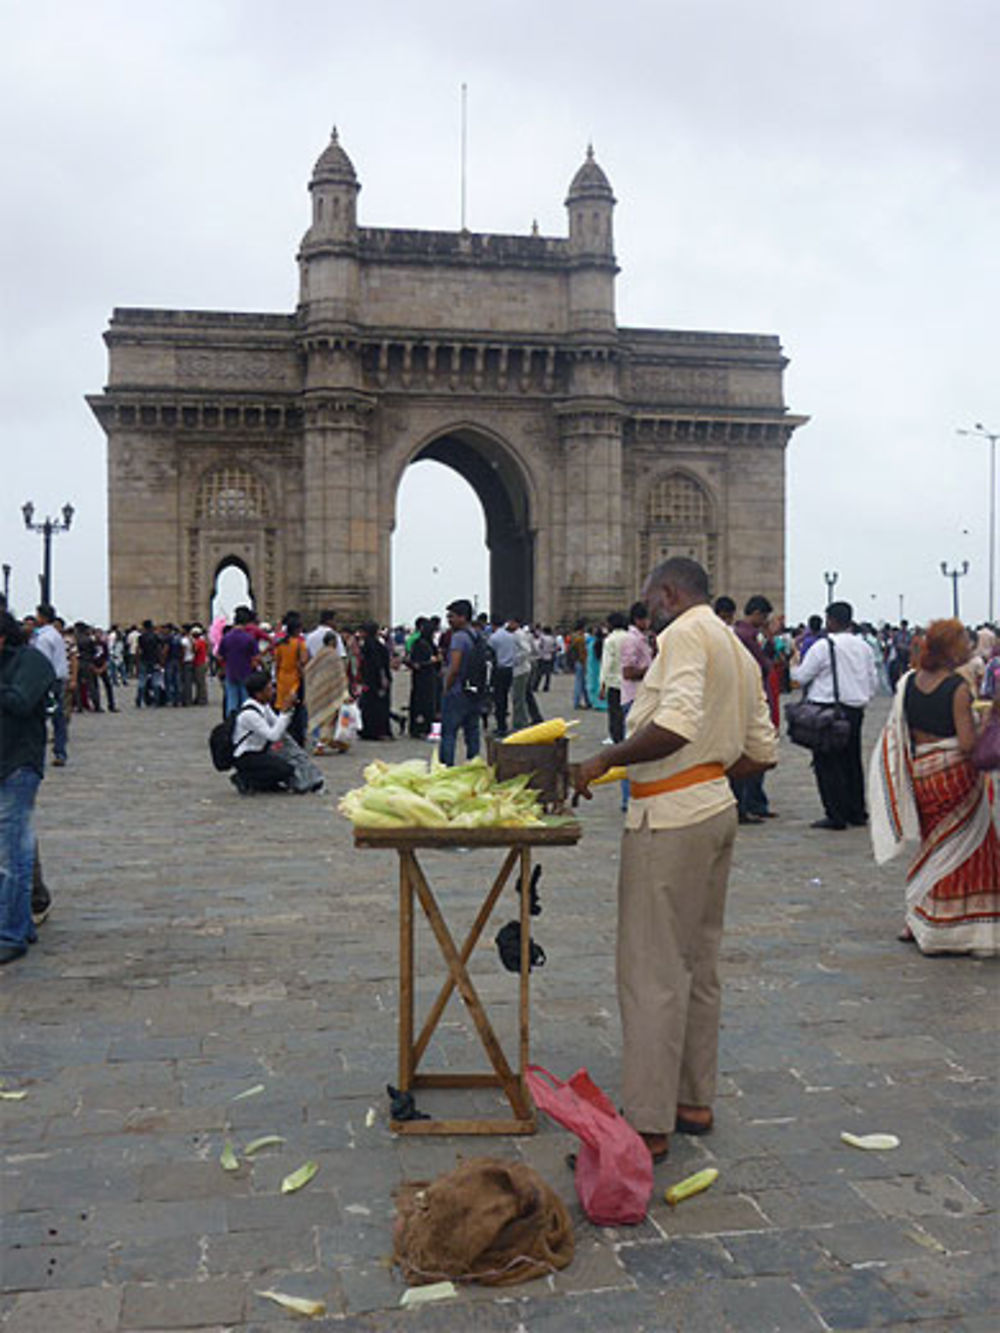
x: 148, y: 663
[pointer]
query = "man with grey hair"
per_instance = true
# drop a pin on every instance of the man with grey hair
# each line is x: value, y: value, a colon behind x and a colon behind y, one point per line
x: 699, y: 718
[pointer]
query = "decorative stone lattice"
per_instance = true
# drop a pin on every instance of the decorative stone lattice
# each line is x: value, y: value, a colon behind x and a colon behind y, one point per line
x: 679, y: 521
x: 231, y: 495
x: 678, y: 501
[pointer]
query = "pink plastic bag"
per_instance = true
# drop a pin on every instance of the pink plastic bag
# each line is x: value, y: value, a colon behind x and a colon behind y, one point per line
x: 614, y: 1171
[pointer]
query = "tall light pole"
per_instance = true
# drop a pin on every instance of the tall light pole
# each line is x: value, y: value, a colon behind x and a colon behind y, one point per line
x: 50, y: 526
x: 992, y: 436
x: 831, y: 582
x: 954, y: 574
x: 6, y: 585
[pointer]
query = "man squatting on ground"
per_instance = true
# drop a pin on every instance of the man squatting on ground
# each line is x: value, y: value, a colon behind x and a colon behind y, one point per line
x: 699, y: 718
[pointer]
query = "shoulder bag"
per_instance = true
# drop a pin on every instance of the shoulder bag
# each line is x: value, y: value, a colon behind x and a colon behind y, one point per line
x: 822, y: 728
x: 986, y: 755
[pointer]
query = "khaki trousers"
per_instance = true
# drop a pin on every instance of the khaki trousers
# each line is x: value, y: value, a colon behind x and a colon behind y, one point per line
x: 671, y: 903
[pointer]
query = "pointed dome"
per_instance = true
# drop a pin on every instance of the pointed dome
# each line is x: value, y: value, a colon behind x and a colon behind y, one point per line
x: 334, y: 165
x: 590, y: 181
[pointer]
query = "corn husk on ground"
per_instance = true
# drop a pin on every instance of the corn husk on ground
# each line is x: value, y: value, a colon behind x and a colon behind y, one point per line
x: 415, y: 795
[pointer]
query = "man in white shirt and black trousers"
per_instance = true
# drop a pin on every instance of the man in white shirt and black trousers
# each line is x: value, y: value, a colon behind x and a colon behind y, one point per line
x: 839, y: 774
x: 256, y: 728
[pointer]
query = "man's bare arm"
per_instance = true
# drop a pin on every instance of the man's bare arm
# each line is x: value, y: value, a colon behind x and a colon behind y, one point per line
x: 454, y: 667
x: 647, y: 745
x: 745, y: 767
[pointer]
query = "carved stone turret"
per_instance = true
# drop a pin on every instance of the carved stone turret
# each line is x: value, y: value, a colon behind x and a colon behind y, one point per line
x: 591, y: 205
x: 328, y: 258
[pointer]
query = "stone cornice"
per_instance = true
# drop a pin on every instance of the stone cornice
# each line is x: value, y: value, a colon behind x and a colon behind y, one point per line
x: 653, y: 342
x: 128, y: 409
x: 589, y: 416
x: 338, y: 407
x: 584, y: 406
x: 232, y: 321
x: 705, y: 429
x: 313, y: 248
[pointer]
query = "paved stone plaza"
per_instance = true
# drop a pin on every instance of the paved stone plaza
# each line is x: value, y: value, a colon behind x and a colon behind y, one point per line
x: 203, y: 944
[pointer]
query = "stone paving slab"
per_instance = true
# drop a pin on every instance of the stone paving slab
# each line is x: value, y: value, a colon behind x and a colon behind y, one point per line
x: 202, y: 944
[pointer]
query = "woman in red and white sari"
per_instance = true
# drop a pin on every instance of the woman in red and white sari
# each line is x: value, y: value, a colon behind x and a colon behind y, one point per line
x: 924, y: 786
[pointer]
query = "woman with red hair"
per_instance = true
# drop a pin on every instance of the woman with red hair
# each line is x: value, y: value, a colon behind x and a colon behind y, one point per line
x: 927, y: 788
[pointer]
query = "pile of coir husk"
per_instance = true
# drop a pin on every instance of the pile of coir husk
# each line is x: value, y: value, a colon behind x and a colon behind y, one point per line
x: 413, y: 794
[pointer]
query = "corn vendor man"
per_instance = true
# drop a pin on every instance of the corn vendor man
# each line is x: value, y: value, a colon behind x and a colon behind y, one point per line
x: 699, y: 718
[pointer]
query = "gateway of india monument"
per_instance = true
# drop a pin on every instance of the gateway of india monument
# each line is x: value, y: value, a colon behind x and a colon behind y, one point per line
x: 276, y: 442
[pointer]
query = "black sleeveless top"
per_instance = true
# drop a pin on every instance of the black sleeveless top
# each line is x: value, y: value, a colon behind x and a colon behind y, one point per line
x: 934, y: 712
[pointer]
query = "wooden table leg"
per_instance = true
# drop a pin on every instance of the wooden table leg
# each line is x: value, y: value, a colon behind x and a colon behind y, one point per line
x: 406, y: 1060
x: 525, y: 1006
x: 512, y: 1084
x: 438, y: 1008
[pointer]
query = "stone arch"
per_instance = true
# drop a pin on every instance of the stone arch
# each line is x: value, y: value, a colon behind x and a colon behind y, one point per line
x: 679, y: 517
x: 232, y: 562
x: 506, y: 490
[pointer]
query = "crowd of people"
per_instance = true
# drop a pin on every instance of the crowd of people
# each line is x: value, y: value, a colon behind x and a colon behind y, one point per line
x: 292, y: 695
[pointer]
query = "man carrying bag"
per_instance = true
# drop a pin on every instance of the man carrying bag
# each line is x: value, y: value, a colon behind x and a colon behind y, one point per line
x: 839, y: 673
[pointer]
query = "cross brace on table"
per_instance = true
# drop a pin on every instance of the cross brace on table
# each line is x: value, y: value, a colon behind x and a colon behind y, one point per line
x: 413, y: 880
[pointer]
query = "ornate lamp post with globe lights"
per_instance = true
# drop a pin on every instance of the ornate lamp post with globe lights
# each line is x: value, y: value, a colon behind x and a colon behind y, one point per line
x: 47, y: 529
x: 954, y: 574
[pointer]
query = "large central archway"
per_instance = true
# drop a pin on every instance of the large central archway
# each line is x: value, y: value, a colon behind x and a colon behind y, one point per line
x: 498, y: 480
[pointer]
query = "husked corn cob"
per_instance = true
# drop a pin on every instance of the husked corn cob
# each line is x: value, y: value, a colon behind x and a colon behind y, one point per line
x: 542, y: 733
x: 691, y: 1185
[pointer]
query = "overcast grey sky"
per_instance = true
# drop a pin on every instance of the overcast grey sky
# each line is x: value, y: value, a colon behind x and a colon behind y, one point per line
x: 824, y: 172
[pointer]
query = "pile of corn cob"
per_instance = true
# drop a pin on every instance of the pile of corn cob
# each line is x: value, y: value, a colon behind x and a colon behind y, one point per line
x: 413, y: 794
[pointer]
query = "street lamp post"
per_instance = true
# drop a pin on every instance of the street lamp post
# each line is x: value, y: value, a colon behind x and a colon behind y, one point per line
x: 6, y: 585
x: 831, y: 582
x: 954, y: 574
x: 992, y: 436
x: 47, y: 529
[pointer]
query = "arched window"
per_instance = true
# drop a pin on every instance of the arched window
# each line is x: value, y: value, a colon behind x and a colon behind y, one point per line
x: 231, y: 495
x: 679, y: 520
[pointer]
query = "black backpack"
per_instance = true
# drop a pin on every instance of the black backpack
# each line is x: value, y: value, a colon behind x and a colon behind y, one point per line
x: 220, y: 743
x: 477, y: 666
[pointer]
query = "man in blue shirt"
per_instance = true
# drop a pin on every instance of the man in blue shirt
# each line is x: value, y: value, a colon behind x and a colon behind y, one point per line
x: 459, y: 709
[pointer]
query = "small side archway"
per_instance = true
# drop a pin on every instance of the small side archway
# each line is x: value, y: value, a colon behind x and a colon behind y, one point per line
x: 500, y: 481
x: 232, y: 586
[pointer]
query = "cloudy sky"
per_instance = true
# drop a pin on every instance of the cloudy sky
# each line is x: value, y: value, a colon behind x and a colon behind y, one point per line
x: 826, y: 172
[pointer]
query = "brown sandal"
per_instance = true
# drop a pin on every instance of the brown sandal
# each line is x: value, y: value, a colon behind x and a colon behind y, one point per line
x: 658, y: 1145
x: 685, y: 1124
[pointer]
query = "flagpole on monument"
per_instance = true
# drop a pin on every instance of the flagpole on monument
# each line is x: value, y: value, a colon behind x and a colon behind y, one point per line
x: 465, y: 146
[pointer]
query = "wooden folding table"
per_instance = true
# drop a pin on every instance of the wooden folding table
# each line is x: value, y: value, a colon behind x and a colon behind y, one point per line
x: 517, y: 844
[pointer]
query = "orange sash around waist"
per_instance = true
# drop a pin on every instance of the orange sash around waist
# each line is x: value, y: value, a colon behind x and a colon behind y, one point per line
x: 687, y: 777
